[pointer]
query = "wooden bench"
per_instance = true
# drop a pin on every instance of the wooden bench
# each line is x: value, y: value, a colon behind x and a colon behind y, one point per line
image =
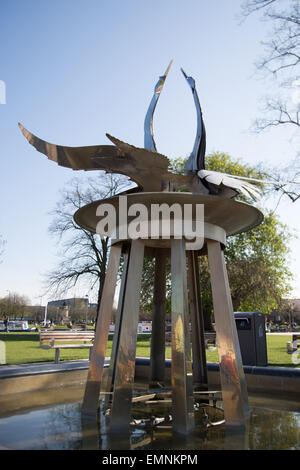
x: 210, y: 338
x: 295, y: 341
x: 82, y: 326
x: 49, y: 340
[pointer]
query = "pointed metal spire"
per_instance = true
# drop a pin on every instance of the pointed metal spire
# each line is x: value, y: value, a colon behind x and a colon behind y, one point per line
x: 149, y: 142
x: 196, y: 159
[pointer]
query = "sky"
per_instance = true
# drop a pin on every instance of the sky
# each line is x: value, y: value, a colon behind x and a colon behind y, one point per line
x: 75, y: 70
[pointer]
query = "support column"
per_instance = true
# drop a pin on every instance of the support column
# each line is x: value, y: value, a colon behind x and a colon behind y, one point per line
x: 95, y: 373
x: 109, y: 379
x: 198, y: 342
x: 125, y: 364
x: 181, y: 370
x: 158, y: 337
x: 234, y: 390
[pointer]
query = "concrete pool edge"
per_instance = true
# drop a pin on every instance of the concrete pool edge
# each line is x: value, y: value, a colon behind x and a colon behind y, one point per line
x: 267, y: 379
x: 38, y: 376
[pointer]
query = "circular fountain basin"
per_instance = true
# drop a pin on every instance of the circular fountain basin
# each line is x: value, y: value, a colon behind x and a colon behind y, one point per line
x: 53, y: 421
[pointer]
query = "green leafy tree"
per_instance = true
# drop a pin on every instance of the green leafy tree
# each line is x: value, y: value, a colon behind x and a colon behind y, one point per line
x: 257, y: 261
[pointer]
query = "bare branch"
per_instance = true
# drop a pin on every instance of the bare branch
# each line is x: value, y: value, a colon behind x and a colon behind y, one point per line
x: 251, y: 6
x: 282, y: 51
x: 83, y: 254
x: 286, y: 181
x: 278, y: 113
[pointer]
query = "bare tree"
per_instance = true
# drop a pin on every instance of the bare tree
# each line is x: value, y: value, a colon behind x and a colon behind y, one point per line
x: 14, y: 305
x: 278, y: 112
x: 282, y: 49
x: 281, y: 61
x: 287, y: 187
x: 83, y: 254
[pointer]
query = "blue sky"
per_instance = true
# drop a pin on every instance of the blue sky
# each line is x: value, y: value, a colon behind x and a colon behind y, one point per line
x: 77, y: 69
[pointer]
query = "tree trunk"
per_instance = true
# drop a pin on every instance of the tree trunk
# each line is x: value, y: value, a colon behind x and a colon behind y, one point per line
x: 236, y: 302
x: 207, y: 320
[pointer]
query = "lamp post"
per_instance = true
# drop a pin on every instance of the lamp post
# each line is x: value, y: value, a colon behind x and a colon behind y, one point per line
x: 9, y: 303
x: 86, y: 310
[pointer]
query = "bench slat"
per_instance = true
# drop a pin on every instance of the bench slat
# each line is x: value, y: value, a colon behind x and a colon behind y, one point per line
x: 69, y: 335
x: 66, y: 346
x: 66, y: 336
x: 59, y: 338
x: 54, y: 337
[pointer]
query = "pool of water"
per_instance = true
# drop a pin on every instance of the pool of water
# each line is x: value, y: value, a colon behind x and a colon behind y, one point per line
x: 52, y: 420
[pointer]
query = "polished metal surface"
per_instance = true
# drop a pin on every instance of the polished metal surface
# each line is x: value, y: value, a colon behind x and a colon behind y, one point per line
x: 76, y: 158
x: 125, y: 364
x: 181, y: 369
x: 225, y: 216
x: 234, y: 391
x: 197, y: 322
x: 109, y: 378
x: 196, y: 159
x: 150, y: 170
x: 93, y: 384
x: 158, y: 339
x: 147, y: 168
x: 122, y: 158
x: 149, y: 142
x: 241, y: 374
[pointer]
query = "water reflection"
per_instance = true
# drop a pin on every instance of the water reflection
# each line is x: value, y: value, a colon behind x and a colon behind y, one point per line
x: 61, y: 426
x: 274, y: 429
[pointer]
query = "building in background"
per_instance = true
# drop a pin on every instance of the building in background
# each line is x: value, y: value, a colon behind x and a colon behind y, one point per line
x: 78, y: 308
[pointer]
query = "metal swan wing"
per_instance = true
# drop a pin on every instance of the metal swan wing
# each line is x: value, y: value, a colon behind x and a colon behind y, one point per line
x: 196, y: 160
x: 149, y: 142
x: 77, y: 158
x: 239, y: 184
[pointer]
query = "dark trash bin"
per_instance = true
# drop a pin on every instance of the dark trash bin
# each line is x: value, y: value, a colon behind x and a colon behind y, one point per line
x: 252, y: 337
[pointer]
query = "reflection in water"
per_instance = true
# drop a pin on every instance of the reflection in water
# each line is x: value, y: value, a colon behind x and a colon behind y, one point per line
x: 272, y: 428
x: 61, y: 426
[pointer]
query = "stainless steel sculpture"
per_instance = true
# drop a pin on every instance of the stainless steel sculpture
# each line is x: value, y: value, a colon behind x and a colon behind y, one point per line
x: 196, y: 159
x: 223, y: 217
x: 149, y: 142
x: 137, y: 162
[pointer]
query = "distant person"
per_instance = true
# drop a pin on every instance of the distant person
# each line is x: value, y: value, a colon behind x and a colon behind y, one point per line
x: 5, y: 321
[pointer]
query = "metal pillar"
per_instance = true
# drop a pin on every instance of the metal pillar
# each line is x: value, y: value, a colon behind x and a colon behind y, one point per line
x: 95, y: 373
x: 125, y: 364
x: 185, y: 298
x: 181, y: 371
x: 234, y: 391
x: 198, y: 343
x: 158, y: 340
x: 109, y: 379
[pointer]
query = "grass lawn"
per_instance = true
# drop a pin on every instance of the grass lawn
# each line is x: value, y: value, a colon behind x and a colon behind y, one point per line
x: 24, y: 348
x: 276, y: 352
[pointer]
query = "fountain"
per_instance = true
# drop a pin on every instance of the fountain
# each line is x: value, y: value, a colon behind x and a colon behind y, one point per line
x: 158, y: 186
